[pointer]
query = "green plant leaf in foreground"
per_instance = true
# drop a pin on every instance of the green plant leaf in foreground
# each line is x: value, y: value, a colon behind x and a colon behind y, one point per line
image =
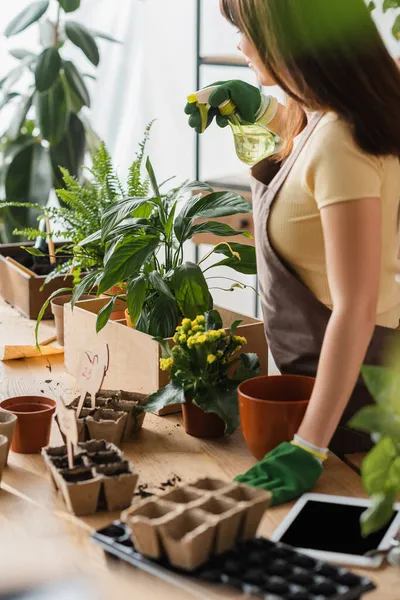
x: 83, y: 39
x: 170, y: 394
x: 104, y: 315
x: 383, y: 384
x: 240, y: 257
x: 191, y: 290
x: 163, y: 317
x: 377, y: 465
x: 33, y: 251
x: 47, y: 69
x: 53, y: 112
x: 374, y: 419
x: 69, y: 5
x: 135, y: 296
x: 76, y: 82
x: 224, y: 403
x: 32, y: 13
x: 216, y: 228
x: 378, y: 514
x: 85, y: 285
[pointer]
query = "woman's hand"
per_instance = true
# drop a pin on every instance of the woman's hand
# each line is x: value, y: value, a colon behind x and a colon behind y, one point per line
x: 287, y: 472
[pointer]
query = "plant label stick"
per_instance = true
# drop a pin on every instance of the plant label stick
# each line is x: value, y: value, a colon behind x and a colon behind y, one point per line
x: 69, y: 427
x: 92, y: 370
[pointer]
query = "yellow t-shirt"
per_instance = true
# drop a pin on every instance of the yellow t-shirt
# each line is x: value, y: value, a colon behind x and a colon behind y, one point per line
x: 330, y: 169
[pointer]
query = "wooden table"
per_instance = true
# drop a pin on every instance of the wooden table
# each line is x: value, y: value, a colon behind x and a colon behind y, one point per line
x: 32, y: 517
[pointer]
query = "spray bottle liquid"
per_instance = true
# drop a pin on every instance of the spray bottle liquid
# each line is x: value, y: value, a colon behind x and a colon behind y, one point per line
x: 252, y: 141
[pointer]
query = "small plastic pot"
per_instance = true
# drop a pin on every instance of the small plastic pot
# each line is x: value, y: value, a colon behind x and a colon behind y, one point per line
x: 272, y: 409
x: 34, y: 419
x: 8, y: 423
x: 57, y: 308
x: 201, y: 424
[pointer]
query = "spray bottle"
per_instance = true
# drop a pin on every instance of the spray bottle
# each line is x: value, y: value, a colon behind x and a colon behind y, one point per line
x: 253, y: 141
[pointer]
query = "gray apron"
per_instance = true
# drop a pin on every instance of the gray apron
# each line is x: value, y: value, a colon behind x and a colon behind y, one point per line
x: 295, y: 320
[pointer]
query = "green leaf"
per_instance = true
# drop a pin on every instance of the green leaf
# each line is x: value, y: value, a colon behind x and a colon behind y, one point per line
x: 379, y: 513
x: 383, y: 385
x: 85, y: 285
x: 127, y: 259
x: 234, y: 326
x: 163, y: 317
x: 376, y: 466
x: 69, y: 5
x: 135, y: 297
x: 170, y: 221
x: 93, y: 237
x: 152, y: 177
x: 142, y: 324
x: 47, y: 69
x: 104, y: 36
x: 104, y: 315
x: 248, y: 368
x: 396, y: 28
x: 213, y: 320
x: 224, y: 403
x: 83, y: 39
x: 246, y: 264
x: 217, y: 204
x: 44, y: 308
x: 26, y: 17
x: 120, y: 211
x: 371, y: 6
x: 34, y: 251
x: 76, y: 82
x: 159, y: 284
x: 387, y: 4
x: 216, y: 228
x: 374, y: 419
x: 128, y: 226
x: 53, y: 113
x: 197, y: 186
x: 165, y: 347
x: 170, y: 394
x: 19, y: 117
x: 69, y: 152
x: 191, y: 290
x: 20, y: 53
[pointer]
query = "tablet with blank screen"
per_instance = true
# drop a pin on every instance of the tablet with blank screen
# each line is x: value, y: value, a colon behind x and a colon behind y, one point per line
x: 328, y: 527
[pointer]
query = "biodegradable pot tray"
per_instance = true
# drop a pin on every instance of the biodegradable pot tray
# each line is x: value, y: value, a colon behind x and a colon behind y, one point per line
x: 100, y: 480
x: 116, y: 418
x: 255, y: 567
x: 22, y: 290
x: 190, y: 523
x: 135, y: 356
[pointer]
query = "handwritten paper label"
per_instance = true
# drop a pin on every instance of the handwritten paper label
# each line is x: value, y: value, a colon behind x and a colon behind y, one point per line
x: 92, y: 370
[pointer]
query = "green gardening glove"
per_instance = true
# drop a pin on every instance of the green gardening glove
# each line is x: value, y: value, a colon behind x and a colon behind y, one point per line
x: 247, y: 99
x: 287, y: 472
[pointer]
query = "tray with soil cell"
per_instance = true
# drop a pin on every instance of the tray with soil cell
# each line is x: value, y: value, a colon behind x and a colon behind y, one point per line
x: 256, y: 567
x: 192, y: 522
x: 116, y: 418
x: 101, y: 479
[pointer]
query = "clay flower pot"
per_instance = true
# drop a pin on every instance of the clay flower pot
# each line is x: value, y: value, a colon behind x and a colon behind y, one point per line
x: 3, y: 454
x: 201, y: 424
x: 34, y: 418
x: 8, y: 423
x: 57, y: 308
x: 272, y: 409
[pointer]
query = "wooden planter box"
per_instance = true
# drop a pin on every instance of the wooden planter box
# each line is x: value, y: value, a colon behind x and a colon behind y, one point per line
x: 134, y: 356
x: 22, y: 290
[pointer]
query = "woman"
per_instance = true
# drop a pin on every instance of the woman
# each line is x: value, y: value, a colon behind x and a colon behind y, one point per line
x: 327, y: 223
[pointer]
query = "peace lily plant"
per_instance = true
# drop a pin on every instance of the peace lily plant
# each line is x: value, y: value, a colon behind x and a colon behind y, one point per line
x: 205, y: 368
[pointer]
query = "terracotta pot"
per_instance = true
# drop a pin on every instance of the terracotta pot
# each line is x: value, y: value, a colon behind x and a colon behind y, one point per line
x: 8, y: 422
x: 57, y: 308
x: 128, y: 320
x: 272, y: 409
x: 34, y: 418
x: 201, y: 424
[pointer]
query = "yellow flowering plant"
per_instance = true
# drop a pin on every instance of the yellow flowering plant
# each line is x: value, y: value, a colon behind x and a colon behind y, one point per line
x: 206, y: 366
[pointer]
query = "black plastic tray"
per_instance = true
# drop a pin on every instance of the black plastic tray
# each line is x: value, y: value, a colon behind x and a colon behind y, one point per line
x: 257, y: 567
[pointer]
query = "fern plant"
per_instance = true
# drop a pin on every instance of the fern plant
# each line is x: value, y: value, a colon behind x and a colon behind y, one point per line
x: 82, y: 209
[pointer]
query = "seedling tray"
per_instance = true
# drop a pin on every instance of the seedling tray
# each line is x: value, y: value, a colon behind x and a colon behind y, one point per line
x: 257, y: 567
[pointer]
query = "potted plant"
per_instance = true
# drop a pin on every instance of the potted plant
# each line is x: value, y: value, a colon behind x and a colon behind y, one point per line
x: 205, y: 374
x: 48, y: 96
x: 144, y: 238
x: 381, y: 467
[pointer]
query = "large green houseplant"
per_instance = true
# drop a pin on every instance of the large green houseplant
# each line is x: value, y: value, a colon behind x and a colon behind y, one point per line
x: 47, y: 128
x: 381, y: 468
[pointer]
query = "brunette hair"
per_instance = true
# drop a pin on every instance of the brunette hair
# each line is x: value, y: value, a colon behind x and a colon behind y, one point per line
x: 327, y: 55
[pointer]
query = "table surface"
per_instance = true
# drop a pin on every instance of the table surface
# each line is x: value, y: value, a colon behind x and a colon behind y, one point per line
x: 36, y: 528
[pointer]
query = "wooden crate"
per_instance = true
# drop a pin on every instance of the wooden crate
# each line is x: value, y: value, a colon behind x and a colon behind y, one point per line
x: 134, y: 356
x: 22, y: 290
